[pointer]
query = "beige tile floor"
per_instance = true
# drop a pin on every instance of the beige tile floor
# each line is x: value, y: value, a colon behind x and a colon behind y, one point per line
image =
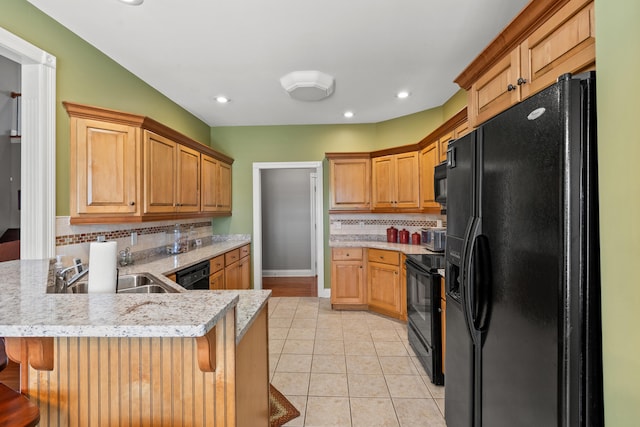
x: 348, y: 368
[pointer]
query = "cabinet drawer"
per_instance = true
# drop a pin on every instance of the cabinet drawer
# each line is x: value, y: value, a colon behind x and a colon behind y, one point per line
x: 231, y: 257
x: 245, y: 251
x: 345, y: 254
x: 216, y: 264
x: 385, y: 257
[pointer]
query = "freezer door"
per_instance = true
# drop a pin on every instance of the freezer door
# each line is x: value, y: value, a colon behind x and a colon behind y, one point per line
x: 520, y: 213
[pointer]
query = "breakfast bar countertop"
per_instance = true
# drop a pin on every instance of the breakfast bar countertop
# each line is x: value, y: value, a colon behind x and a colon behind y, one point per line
x: 28, y: 311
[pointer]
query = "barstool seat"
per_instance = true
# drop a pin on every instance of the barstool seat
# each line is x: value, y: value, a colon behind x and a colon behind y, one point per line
x: 16, y: 410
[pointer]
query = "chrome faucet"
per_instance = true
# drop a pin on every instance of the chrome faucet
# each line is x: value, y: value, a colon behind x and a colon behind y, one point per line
x: 62, y: 284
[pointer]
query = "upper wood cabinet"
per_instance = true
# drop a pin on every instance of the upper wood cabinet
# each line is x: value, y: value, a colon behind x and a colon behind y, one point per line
x: 443, y: 143
x: 104, y: 168
x: 428, y: 161
x: 171, y: 176
x: 130, y: 168
x: 548, y: 38
x: 349, y: 182
x: 395, y: 181
x: 216, y: 185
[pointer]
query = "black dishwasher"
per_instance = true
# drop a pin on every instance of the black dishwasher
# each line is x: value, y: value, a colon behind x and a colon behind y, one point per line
x: 194, y: 277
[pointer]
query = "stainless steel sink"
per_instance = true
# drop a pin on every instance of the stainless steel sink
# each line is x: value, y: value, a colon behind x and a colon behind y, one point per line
x: 136, y: 283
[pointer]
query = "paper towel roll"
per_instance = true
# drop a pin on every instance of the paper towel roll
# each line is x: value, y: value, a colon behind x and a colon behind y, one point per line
x: 103, y: 275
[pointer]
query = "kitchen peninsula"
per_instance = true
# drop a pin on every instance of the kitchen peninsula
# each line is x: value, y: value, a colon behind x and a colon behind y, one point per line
x: 157, y: 359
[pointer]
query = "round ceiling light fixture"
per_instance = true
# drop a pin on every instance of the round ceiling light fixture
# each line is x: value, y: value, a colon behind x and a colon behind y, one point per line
x: 132, y: 2
x: 308, y: 85
x: 402, y: 94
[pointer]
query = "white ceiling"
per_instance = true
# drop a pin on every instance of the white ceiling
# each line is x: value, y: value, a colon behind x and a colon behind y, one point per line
x: 193, y: 50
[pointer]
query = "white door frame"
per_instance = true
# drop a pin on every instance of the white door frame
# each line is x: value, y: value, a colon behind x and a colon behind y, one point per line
x: 38, y: 146
x: 257, y: 220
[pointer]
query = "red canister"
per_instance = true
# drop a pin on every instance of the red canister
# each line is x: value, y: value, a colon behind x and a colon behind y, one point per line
x: 415, y: 238
x: 392, y: 235
x: 404, y: 236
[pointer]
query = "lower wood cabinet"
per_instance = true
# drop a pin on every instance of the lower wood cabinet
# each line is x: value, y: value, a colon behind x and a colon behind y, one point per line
x: 237, y: 271
x: 252, y: 374
x: 372, y: 279
x: 383, y: 282
x: 347, y: 278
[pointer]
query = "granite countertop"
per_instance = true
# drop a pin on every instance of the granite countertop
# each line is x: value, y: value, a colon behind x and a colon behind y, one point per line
x: 27, y: 310
x: 405, y: 249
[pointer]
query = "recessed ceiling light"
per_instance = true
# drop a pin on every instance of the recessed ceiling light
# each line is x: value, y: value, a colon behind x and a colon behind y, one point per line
x: 222, y: 99
x: 348, y: 114
x: 402, y: 94
x: 132, y: 2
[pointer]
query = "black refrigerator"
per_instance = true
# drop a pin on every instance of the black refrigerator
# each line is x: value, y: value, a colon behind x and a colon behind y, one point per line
x: 522, y: 266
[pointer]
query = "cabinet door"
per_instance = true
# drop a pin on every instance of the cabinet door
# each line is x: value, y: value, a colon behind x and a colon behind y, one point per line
x: 459, y: 131
x: 104, y: 168
x: 383, y: 293
x: 407, y: 180
x: 160, y: 172
x: 347, y: 285
x: 232, y: 276
x: 216, y: 280
x: 245, y: 273
x: 383, y: 178
x: 496, y: 90
x: 427, y: 163
x: 209, y: 170
x: 188, y: 180
x: 349, y: 183
x: 403, y: 287
x: 563, y: 44
x: 224, y: 188
x: 443, y: 144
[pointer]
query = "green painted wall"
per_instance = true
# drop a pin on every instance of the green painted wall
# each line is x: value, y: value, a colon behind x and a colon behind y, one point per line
x: 407, y: 129
x: 87, y: 76
x: 456, y: 103
x: 618, y: 56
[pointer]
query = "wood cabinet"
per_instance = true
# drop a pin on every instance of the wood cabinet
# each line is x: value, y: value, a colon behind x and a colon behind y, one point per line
x: 349, y: 182
x: 395, y: 181
x: 171, y: 176
x: 252, y: 374
x: 216, y: 185
x: 547, y: 39
x: 383, y: 290
x: 216, y: 273
x: 237, y: 271
x: 443, y: 143
x: 105, y: 168
x: 428, y: 161
x: 130, y: 168
x: 347, y: 278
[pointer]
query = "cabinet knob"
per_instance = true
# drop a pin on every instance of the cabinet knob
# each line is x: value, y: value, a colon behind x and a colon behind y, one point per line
x: 510, y: 87
x: 132, y: 203
x: 521, y: 81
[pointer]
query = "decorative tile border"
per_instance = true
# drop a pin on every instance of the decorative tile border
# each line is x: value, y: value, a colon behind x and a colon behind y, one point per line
x: 73, y: 239
x: 395, y: 222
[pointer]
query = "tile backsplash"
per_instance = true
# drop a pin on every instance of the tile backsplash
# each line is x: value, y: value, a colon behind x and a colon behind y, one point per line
x: 72, y: 241
x: 373, y: 227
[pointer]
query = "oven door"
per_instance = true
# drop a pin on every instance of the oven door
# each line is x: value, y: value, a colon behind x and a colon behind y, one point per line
x: 423, y: 315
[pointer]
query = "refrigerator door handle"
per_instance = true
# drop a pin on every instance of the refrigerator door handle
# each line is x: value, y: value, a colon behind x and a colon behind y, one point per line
x: 481, y: 262
x: 468, y: 279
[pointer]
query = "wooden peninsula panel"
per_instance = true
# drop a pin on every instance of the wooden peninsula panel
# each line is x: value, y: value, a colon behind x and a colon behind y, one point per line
x: 137, y: 381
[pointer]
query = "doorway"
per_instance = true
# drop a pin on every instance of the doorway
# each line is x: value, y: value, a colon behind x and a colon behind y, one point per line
x: 287, y: 227
x: 38, y: 145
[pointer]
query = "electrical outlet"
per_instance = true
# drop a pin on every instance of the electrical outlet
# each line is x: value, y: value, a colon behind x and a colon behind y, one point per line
x: 134, y: 238
x: 361, y: 224
x: 198, y: 242
x: 337, y: 225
